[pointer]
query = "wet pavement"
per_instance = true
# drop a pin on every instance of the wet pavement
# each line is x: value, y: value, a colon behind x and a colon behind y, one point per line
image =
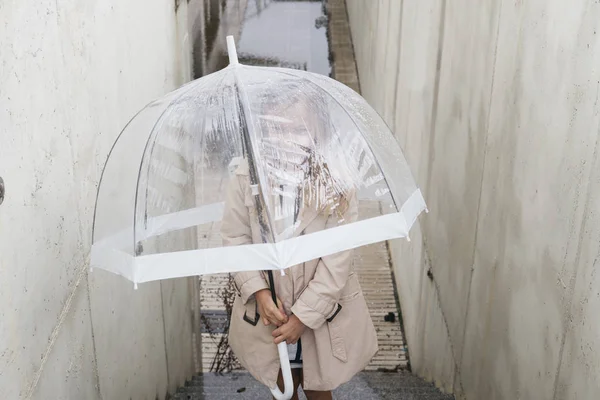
x: 280, y: 33
x: 289, y: 34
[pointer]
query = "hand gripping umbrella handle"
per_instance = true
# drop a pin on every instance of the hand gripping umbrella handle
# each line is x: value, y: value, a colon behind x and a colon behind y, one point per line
x: 286, y: 371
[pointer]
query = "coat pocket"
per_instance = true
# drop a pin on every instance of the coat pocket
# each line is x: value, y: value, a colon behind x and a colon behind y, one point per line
x: 340, y: 324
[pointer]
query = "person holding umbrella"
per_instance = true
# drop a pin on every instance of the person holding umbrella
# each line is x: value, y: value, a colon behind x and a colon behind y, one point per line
x: 320, y: 311
x: 296, y: 150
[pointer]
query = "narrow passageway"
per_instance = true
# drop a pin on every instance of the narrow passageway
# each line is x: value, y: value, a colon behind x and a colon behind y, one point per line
x: 314, y: 36
x: 114, y: 165
x: 302, y: 45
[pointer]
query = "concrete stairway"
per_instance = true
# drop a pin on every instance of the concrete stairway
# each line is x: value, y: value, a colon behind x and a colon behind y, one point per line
x: 365, y: 386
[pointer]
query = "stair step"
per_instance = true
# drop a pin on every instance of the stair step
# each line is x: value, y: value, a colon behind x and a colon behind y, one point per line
x: 365, y: 386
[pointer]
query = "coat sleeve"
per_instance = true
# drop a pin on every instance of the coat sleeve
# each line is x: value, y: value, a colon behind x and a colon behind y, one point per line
x: 318, y: 303
x: 236, y: 230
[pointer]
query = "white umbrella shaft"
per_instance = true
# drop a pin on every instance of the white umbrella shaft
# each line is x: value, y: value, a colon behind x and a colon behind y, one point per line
x: 231, y: 50
x: 286, y: 371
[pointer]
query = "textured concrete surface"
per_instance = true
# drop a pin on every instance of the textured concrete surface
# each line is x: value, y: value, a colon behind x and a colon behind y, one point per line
x: 495, y: 105
x: 406, y: 94
x: 537, y: 257
x: 365, y: 386
x: 73, y: 73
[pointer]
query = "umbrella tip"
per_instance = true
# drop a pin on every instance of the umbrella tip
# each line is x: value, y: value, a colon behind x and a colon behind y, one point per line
x: 233, y: 58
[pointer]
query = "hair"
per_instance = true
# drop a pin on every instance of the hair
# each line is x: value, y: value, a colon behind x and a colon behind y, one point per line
x: 321, y: 190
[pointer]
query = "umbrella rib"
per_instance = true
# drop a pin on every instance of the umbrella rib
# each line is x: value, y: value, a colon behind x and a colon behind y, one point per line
x: 254, y: 176
x: 249, y: 148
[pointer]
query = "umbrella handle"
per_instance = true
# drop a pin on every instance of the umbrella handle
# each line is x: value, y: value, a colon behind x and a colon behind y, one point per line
x: 286, y: 371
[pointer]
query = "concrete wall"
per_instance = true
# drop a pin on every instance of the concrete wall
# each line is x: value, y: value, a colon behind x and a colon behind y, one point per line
x: 496, y: 106
x: 73, y: 73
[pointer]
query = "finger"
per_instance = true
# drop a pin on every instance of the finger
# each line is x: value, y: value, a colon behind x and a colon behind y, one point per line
x: 277, y: 315
x: 277, y: 332
x: 275, y: 318
x: 279, y: 339
x: 269, y: 313
x: 280, y: 306
x: 265, y: 321
x: 283, y: 315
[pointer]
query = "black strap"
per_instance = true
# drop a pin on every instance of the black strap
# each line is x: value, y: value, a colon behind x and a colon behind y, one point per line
x: 272, y: 287
x: 298, y: 352
x: 339, y: 308
x: 256, y: 316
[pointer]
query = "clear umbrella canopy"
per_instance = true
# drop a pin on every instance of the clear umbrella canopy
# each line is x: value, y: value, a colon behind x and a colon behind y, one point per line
x: 308, y: 145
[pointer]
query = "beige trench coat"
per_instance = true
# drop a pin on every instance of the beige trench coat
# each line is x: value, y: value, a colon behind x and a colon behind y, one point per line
x: 324, y: 294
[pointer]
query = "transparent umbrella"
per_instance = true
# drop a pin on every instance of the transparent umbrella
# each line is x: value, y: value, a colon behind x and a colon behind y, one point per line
x: 310, y: 145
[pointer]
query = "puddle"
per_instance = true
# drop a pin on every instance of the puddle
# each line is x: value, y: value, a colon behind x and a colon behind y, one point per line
x: 291, y: 34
